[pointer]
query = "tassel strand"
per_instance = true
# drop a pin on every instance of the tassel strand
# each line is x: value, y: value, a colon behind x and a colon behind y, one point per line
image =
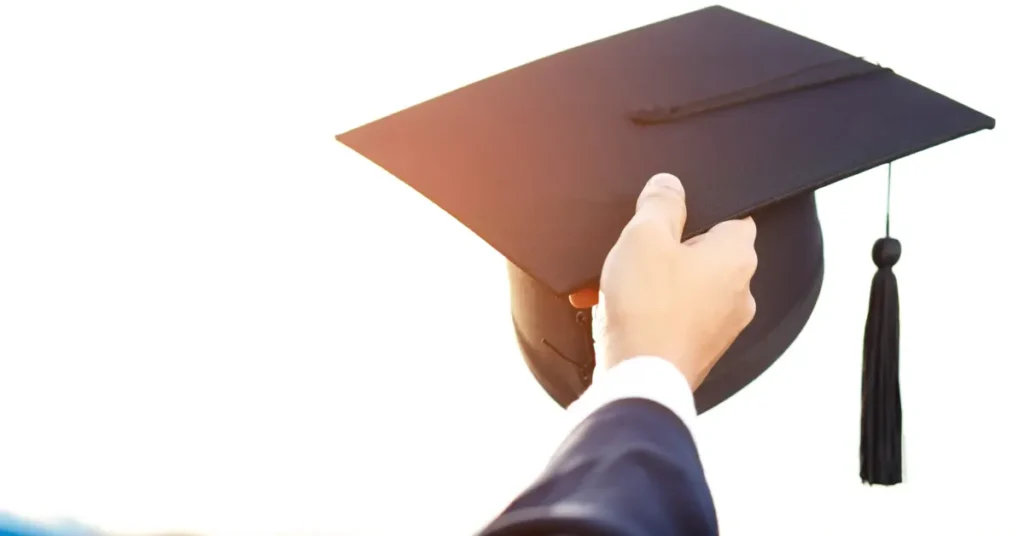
x: 881, y: 443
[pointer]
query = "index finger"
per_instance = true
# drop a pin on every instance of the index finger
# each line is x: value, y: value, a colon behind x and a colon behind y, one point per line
x: 663, y: 203
x: 744, y: 230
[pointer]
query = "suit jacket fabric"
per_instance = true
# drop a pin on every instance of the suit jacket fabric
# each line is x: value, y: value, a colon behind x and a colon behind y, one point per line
x: 631, y: 468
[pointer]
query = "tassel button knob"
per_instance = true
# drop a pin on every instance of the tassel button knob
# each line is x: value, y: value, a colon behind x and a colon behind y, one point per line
x: 886, y: 252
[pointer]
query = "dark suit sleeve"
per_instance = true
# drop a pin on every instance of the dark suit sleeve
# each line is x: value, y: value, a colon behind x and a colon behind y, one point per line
x: 629, y: 469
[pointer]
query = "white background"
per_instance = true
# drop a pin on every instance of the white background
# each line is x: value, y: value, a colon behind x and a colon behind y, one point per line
x: 214, y: 317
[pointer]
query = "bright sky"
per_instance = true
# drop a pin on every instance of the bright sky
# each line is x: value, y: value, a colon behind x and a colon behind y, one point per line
x: 214, y: 317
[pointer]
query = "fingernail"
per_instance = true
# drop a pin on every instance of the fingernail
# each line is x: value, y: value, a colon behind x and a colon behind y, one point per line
x: 666, y: 180
x: 584, y: 299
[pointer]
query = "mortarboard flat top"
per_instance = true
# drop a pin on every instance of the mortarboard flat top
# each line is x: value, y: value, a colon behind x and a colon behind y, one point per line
x: 545, y: 162
x: 537, y: 157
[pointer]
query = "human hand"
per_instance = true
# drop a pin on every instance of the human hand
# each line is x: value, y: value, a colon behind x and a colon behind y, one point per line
x: 685, y: 303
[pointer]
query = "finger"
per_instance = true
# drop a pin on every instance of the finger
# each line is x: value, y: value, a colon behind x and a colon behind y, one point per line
x: 694, y: 240
x: 663, y: 203
x: 751, y: 307
x: 729, y: 227
x: 585, y: 299
x: 730, y: 246
x: 746, y: 309
x: 743, y: 231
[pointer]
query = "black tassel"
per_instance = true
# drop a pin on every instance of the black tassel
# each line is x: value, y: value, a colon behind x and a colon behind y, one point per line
x: 881, y: 422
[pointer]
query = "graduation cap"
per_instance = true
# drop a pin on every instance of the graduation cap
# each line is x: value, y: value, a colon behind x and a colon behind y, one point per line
x: 545, y: 162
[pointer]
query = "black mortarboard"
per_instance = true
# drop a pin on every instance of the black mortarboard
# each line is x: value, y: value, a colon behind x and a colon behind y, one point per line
x: 545, y: 162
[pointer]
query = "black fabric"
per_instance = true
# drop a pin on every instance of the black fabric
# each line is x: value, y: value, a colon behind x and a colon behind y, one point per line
x: 630, y: 469
x: 544, y: 162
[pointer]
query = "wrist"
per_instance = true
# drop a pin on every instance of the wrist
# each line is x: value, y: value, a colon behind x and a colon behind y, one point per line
x: 642, y: 376
x: 615, y: 350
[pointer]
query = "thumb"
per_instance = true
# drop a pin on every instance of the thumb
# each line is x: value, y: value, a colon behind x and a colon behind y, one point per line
x: 662, y: 203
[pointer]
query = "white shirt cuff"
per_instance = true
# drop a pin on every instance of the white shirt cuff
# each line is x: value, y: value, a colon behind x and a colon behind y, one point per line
x: 647, y: 377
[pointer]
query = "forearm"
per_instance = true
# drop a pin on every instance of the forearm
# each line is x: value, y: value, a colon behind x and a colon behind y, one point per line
x: 629, y: 467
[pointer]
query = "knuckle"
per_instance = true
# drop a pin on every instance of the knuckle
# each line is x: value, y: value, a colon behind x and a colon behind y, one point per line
x: 750, y: 227
x: 642, y: 234
x: 663, y: 190
x: 654, y: 219
x: 724, y: 226
x: 746, y: 307
x: 639, y: 227
x: 744, y: 265
x: 739, y: 231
